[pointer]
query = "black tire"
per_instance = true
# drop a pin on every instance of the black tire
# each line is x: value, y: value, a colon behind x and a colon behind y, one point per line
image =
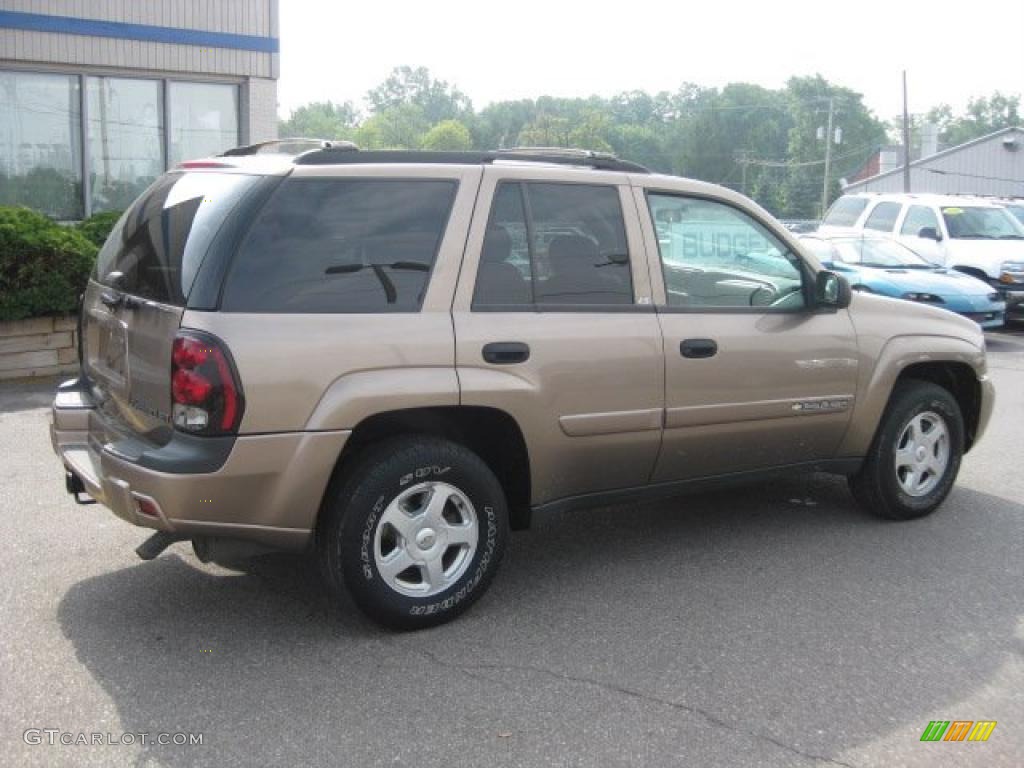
x: 353, y: 511
x: 876, y: 487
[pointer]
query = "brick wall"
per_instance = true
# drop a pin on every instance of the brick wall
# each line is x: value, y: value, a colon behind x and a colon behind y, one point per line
x: 42, y: 346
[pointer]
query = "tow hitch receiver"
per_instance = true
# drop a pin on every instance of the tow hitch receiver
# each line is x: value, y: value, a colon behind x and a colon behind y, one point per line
x: 157, y: 543
x: 74, y: 485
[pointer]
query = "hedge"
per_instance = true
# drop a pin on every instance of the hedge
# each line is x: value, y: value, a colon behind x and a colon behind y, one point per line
x: 98, y: 226
x: 44, y: 266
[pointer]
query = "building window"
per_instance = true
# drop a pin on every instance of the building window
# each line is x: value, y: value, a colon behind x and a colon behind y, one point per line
x: 126, y: 132
x: 41, y: 143
x: 203, y: 119
x: 126, y: 144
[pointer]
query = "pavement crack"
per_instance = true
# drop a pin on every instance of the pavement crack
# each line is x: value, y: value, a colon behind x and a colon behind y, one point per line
x: 704, y: 714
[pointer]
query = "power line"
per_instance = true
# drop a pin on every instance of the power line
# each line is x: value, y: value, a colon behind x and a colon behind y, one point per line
x: 804, y: 164
x: 971, y: 175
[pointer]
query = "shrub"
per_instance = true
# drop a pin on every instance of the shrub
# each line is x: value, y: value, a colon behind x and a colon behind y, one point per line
x: 43, y: 266
x: 98, y: 226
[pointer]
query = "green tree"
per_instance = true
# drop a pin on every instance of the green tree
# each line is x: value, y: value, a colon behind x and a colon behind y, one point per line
x: 399, y: 127
x: 499, y: 125
x: 862, y: 133
x: 407, y: 86
x: 320, y: 120
x: 547, y: 130
x: 759, y: 140
x: 984, y: 115
x: 448, y: 135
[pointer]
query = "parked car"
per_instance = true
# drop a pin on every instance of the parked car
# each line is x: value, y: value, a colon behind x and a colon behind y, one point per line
x: 968, y: 234
x: 389, y: 359
x: 880, y: 265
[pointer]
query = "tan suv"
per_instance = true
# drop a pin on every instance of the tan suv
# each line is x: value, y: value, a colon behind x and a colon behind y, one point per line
x: 391, y: 358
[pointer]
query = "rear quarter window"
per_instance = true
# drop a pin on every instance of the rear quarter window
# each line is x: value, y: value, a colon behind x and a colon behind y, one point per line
x: 845, y: 211
x: 341, y: 246
x: 883, y: 217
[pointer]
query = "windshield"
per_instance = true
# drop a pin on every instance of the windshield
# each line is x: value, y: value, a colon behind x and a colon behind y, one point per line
x: 1017, y: 211
x: 878, y: 253
x: 977, y: 223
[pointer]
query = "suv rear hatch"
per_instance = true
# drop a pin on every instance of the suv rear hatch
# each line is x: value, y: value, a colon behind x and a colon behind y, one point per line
x: 133, y: 305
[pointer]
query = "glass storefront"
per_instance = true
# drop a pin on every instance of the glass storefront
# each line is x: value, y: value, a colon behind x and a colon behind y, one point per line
x: 41, y: 143
x: 126, y: 142
x: 203, y: 119
x: 131, y: 128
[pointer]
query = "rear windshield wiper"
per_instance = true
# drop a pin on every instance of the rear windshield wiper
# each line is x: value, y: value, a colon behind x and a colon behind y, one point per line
x: 378, y: 269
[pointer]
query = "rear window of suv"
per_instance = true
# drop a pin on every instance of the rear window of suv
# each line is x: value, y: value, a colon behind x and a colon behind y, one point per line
x: 156, y: 247
x: 883, y: 217
x: 845, y: 211
x: 341, y: 246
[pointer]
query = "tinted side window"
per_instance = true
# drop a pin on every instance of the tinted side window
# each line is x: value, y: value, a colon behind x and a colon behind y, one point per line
x: 341, y: 245
x: 160, y: 241
x: 845, y: 211
x: 561, y: 244
x: 714, y: 255
x: 504, y: 277
x: 919, y: 217
x: 883, y: 217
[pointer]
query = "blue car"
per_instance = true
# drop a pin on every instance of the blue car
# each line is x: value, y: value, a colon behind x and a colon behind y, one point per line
x: 883, y: 266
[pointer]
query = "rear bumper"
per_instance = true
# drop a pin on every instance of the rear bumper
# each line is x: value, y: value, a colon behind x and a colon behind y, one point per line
x: 267, y: 488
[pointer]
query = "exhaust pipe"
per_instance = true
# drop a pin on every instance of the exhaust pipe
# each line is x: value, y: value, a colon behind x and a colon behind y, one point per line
x: 157, y: 543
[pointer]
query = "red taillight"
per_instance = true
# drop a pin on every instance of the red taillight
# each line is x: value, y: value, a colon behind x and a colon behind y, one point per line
x: 205, y: 393
x: 189, y: 387
x: 189, y: 353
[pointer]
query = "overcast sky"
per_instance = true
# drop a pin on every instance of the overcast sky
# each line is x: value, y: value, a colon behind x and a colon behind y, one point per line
x: 506, y: 50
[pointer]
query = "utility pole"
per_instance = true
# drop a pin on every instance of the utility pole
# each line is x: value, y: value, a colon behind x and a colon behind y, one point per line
x: 744, y: 158
x: 906, y: 137
x: 828, y: 156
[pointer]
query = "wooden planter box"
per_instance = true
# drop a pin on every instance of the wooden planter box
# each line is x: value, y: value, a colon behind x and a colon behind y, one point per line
x: 41, y: 346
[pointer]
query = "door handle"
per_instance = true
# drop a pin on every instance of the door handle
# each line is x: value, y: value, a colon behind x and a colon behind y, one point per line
x: 506, y: 352
x: 698, y: 348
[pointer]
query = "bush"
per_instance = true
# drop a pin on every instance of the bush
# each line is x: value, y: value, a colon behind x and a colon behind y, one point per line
x: 43, y: 266
x: 98, y: 226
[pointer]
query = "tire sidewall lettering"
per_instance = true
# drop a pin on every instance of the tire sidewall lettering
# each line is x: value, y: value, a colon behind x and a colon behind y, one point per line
x: 477, y: 576
x: 365, y: 558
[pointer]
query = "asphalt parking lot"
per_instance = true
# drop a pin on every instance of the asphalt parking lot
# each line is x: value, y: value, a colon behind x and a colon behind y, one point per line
x: 774, y: 625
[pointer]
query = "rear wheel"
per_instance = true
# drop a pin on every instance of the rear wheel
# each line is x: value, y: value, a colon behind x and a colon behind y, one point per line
x: 415, y: 532
x: 916, y: 454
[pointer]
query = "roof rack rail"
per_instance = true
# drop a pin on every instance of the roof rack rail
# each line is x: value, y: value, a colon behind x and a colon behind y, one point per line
x: 581, y: 158
x: 557, y: 152
x: 293, y: 146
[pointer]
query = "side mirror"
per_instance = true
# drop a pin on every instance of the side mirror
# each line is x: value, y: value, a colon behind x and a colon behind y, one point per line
x: 831, y: 291
x: 929, y: 233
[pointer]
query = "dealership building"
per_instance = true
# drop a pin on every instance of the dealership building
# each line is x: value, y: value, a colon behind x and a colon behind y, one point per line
x: 98, y: 97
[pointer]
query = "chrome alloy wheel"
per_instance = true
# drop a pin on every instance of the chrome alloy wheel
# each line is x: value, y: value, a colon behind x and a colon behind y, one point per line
x: 426, y: 539
x: 922, y: 453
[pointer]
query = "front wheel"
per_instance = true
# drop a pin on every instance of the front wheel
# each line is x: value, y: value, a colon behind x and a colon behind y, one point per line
x: 916, y: 454
x: 415, y: 532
